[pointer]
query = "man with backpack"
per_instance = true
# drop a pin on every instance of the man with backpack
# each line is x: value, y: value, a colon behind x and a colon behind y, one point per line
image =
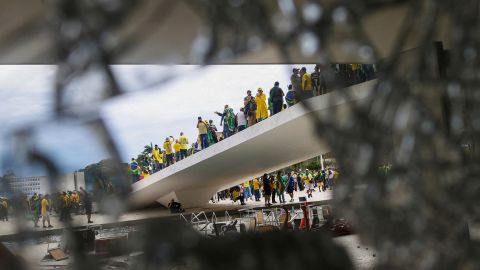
x: 276, y: 94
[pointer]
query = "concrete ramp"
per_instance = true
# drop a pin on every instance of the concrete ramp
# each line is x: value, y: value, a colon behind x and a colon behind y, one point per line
x: 279, y: 141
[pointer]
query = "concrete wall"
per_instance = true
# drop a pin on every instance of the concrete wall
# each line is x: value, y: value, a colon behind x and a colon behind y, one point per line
x: 71, y: 181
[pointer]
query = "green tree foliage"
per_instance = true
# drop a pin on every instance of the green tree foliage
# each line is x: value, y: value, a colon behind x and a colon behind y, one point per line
x: 103, y: 175
x: 313, y: 165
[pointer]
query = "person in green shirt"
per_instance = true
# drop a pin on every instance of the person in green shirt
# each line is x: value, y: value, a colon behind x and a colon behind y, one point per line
x: 35, y: 208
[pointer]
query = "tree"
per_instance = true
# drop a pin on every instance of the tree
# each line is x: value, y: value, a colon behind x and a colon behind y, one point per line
x: 104, y: 174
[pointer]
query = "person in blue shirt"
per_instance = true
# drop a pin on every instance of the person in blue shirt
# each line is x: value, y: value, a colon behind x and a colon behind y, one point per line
x: 290, y: 186
x: 290, y: 97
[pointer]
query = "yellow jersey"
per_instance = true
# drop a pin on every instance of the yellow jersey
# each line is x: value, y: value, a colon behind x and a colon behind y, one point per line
x: 256, y: 184
x: 168, y: 147
x: 44, y: 206
x: 177, y: 147
x: 183, y: 142
x: 306, y: 82
x: 157, y: 155
x: 202, y: 128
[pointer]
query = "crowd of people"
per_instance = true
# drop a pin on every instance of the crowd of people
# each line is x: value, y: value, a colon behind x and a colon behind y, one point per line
x: 173, y: 151
x: 279, y: 185
x: 40, y: 207
x: 255, y: 108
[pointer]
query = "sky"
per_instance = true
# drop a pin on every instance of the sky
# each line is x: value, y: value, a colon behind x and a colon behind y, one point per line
x: 147, y: 113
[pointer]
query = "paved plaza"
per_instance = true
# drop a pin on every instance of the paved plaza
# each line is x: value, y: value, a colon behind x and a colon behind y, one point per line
x: 13, y: 226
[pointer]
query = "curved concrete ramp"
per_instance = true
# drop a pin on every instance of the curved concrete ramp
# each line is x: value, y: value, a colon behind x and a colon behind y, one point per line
x: 279, y: 141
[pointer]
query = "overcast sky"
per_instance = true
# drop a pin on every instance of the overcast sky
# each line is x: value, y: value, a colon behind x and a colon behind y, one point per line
x: 136, y: 118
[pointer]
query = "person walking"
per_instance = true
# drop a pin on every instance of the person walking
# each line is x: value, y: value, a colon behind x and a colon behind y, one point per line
x: 276, y: 94
x: 241, y: 120
x: 267, y: 189
x: 167, y: 145
x: 183, y: 145
x: 307, y: 89
x: 250, y: 108
x: 261, y: 102
x: 246, y: 190
x: 307, y: 179
x: 45, y: 211
x: 35, y: 205
x: 202, y: 132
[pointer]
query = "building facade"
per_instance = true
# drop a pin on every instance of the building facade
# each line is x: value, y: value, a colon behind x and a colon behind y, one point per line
x: 41, y: 184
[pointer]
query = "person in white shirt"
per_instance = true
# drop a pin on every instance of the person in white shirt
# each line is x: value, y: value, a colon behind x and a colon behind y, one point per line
x: 241, y: 120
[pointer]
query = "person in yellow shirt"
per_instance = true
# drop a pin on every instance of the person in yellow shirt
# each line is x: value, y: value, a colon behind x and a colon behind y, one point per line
x: 246, y: 191
x: 44, y: 211
x: 308, y: 180
x: 177, y: 147
x: 273, y: 186
x: 168, y: 151
x: 307, y: 88
x: 261, y: 101
x: 184, y: 145
x: 202, y: 132
x: 256, y: 189
x: 73, y: 202
x: 158, y: 157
